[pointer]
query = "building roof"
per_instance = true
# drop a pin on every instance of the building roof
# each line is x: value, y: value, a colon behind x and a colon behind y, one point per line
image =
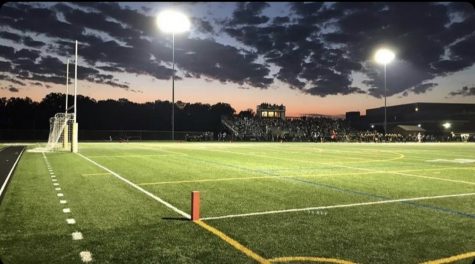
x: 411, y: 128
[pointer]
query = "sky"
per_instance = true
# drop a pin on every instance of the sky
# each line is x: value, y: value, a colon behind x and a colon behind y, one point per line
x: 313, y: 57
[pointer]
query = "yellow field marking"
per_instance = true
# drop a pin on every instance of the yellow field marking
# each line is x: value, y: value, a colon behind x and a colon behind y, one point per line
x: 95, y: 174
x: 207, y: 180
x: 451, y: 259
x: 310, y: 259
x: 433, y: 178
x: 294, y: 176
x: 233, y: 242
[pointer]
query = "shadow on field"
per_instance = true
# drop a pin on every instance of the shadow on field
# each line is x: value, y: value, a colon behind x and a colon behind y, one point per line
x: 176, y: 218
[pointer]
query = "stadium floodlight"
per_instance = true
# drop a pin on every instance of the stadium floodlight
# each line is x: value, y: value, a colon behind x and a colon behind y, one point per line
x: 170, y: 21
x: 372, y: 126
x: 418, y: 125
x: 447, y: 125
x: 384, y: 56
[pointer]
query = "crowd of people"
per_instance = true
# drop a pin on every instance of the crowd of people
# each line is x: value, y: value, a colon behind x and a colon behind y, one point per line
x: 276, y: 129
x: 317, y: 129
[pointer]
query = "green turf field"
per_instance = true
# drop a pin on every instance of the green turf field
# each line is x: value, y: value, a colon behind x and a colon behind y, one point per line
x: 261, y: 202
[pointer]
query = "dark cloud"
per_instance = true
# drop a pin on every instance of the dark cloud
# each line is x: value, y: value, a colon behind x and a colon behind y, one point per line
x: 28, y: 41
x: 13, y: 89
x: 306, y: 9
x: 422, y: 88
x: 465, y: 91
x: 27, y: 54
x: 10, y: 36
x: 110, y: 68
x: 7, y: 52
x: 249, y: 14
x: 97, y: 21
x: 224, y: 63
x: 5, y: 66
x: 203, y: 25
x: 10, y: 79
x: 316, y: 49
x: 420, y: 33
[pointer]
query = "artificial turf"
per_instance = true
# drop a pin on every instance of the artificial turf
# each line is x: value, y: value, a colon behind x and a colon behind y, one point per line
x: 120, y: 224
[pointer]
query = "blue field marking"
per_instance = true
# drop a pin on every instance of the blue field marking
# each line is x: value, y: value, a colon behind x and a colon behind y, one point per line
x: 335, y: 188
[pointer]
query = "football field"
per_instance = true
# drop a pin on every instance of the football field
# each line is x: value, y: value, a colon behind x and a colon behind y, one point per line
x: 260, y: 203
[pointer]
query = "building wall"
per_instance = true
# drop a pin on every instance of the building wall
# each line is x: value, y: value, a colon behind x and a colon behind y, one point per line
x: 431, y: 116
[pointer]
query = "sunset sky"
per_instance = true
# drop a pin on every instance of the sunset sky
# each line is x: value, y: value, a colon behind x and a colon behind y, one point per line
x: 311, y: 57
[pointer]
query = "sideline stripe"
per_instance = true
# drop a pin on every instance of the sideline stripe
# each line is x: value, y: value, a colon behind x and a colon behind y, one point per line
x: 451, y: 259
x: 339, y: 206
x: 233, y: 242
x: 310, y: 259
x: 10, y: 173
x: 156, y: 198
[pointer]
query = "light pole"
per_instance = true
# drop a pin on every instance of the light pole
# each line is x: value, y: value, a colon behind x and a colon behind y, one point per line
x: 170, y: 21
x: 384, y: 56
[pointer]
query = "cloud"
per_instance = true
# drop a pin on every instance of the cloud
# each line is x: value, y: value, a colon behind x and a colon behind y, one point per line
x: 249, y: 14
x: 28, y: 41
x: 10, y: 36
x: 465, y: 91
x: 315, y: 49
x: 203, y: 25
x: 10, y: 79
x: 13, y: 89
x: 420, y: 33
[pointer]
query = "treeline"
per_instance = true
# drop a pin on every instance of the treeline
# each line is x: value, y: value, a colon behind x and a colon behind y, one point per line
x: 23, y: 113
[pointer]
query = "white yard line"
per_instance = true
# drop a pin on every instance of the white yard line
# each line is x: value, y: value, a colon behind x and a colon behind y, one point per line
x: 338, y: 206
x: 4, y: 185
x: 156, y: 198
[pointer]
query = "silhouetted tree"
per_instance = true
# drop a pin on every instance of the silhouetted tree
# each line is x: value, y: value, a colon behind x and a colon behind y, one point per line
x: 23, y: 113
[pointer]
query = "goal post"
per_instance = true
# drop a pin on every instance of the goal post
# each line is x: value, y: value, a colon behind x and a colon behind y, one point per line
x: 63, y: 134
x: 59, y: 132
x: 74, y: 139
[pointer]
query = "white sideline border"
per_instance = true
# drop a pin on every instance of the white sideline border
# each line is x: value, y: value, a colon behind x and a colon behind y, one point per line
x: 4, y: 185
x: 337, y: 206
x: 156, y: 198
